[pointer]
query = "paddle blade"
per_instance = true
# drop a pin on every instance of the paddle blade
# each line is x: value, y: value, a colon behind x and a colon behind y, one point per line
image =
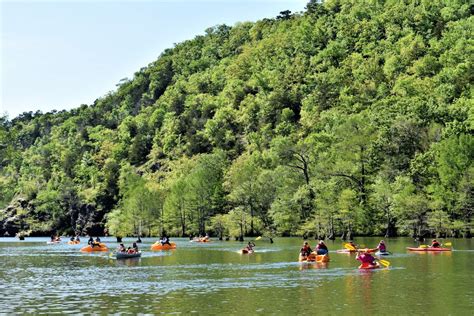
x: 423, y: 246
x: 349, y: 246
x: 258, y: 238
x: 385, y: 263
x: 448, y: 244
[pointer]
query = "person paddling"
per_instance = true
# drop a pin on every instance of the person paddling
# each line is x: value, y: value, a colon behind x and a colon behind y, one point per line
x: 305, y: 251
x: 121, y: 248
x: 435, y: 244
x: 321, y: 248
x: 381, y: 246
x: 366, y: 258
x: 250, y: 246
x: 135, y: 247
x: 165, y: 240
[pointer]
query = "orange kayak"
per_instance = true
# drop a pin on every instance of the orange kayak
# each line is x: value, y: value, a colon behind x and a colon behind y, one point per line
x: 100, y: 247
x: 158, y: 246
x: 314, y: 258
x: 73, y: 242
x: 428, y: 249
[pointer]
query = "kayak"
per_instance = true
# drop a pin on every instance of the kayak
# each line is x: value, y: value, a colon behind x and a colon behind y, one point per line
x: 200, y: 240
x: 158, y: 246
x: 125, y: 255
x: 369, y: 266
x: 100, y: 247
x: 314, y: 258
x: 382, y: 253
x: 73, y: 242
x: 428, y: 249
x: 53, y: 242
x: 246, y: 251
x: 369, y: 250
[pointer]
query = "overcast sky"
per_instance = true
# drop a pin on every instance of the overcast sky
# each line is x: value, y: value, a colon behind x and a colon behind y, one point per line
x: 61, y: 54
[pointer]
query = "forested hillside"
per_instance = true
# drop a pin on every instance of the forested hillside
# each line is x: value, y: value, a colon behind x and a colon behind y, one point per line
x: 353, y: 117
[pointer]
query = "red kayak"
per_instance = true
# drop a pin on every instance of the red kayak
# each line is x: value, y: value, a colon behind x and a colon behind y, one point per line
x: 369, y: 266
x: 428, y: 249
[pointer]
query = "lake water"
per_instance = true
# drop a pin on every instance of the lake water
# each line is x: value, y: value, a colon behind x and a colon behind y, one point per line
x: 214, y: 278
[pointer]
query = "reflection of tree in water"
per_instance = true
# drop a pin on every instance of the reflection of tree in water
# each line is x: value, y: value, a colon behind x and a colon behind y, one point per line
x: 130, y: 262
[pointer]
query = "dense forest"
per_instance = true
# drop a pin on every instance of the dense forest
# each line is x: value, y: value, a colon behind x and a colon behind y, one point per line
x: 350, y: 118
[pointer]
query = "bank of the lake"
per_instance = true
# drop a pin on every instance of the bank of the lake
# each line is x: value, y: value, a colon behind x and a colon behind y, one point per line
x: 213, y: 278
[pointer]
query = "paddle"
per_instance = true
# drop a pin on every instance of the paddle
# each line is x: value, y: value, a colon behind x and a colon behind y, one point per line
x: 384, y: 262
x: 448, y: 244
x: 349, y: 247
x: 258, y: 238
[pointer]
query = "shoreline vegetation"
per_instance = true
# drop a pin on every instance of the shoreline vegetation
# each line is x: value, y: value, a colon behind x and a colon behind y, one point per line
x: 343, y: 120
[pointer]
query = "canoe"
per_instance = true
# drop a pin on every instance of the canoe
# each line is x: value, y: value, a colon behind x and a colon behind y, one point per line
x: 369, y: 266
x: 428, y: 249
x: 246, y: 251
x: 314, y: 258
x: 73, y: 242
x: 369, y: 250
x: 125, y: 255
x: 101, y: 247
x: 158, y: 246
x: 382, y: 253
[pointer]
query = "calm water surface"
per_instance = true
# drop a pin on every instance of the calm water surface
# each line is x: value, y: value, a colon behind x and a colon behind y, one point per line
x: 214, y: 278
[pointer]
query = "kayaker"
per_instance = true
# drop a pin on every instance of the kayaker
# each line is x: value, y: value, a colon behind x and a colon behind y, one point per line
x: 366, y: 257
x: 165, y: 240
x: 121, y: 248
x: 250, y: 246
x: 435, y: 244
x: 381, y: 246
x: 135, y: 247
x: 321, y: 248
x: 90, y: 241
x: 305, y: 250
x: 78, y: 239
x: 97, y: 239
x: 71, y: 239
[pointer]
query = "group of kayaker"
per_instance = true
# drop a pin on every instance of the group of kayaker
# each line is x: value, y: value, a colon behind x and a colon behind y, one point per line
x: 94, y: 243
x: 76, y: 239
x: 320, y: 248
x: 130, y: 250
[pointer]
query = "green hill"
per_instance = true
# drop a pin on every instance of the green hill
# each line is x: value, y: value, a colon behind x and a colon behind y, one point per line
x: 353, y: 117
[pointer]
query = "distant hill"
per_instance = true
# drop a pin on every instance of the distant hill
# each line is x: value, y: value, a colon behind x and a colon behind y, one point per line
x: 351, y: 118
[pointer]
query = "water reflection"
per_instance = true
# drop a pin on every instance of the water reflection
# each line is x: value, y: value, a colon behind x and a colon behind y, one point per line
x: 130, y: 262
x: 210, y: 279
